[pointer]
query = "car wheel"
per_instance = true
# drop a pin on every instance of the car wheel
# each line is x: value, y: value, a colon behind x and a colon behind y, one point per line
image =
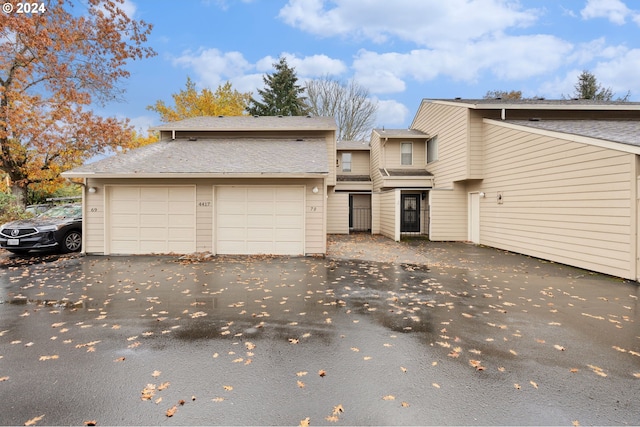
x: 72, y: 241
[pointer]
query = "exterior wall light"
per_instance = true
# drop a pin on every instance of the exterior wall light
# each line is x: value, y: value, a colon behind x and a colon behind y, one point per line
x: 481, y: 195
x: 92, y: 189
x: 314, y: 190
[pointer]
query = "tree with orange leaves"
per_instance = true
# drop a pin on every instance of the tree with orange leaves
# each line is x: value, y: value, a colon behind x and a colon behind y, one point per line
x: 55, y: 62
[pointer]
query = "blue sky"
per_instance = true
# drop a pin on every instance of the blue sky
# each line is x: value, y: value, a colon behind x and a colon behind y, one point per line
x: 401, y: 50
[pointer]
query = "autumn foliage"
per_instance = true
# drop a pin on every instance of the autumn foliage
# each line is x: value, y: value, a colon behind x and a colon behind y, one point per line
x: 53, y: 65
x: 190, y: 102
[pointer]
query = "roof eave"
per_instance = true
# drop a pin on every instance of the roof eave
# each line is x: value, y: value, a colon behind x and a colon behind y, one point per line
x: 111, y: 175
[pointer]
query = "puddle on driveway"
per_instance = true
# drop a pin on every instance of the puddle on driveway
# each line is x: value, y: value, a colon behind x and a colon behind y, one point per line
x: 399, y: 343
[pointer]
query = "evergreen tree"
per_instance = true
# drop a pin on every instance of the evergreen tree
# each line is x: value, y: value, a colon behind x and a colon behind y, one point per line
x: 281, y: 95
x: 588, y: 87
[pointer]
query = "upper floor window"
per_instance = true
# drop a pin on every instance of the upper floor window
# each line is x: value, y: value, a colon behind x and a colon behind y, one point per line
x: 432, y: 149
x: 406, y: 153
x: 346, y: 162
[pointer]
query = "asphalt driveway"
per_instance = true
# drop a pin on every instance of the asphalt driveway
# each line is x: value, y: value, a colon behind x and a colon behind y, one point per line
x: 377, y: 333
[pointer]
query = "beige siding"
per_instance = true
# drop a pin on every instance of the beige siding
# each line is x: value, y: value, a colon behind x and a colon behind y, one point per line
x: 476, y: 149
x: 563, y: 201
x: 204, y: 218
x: 392, y: 154
x: 338, y: 213
x: 93, y: 219
x: 315, y: 214
x: 376, y: 178
x: 389, y: 214
x: 448, y: 214
x: 360, y: 162
x: 451, y: 125
x: 375, y: 213
x: 316, y: 217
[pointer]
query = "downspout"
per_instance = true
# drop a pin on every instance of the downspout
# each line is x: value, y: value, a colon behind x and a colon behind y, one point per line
x: 503, y: 115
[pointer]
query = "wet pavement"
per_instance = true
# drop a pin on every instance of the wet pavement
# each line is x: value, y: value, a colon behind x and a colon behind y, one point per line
x: 433, y: 334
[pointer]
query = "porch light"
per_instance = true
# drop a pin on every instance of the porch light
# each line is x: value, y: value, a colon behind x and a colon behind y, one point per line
x: 481, y: 194
x: 314, y: 190
x: 92, y: 189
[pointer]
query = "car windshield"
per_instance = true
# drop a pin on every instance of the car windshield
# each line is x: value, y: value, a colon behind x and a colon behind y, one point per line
x: 66, y: 211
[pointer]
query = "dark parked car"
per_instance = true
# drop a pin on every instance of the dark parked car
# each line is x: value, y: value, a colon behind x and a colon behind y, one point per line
x: 38, y: 209
x: 59, y: 228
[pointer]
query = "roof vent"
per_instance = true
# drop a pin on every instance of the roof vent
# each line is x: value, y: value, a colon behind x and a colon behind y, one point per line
x: 299, y: 139
x: 220, y: 116
x: 457, y: 97
x: 193, y: 138
x: 534, y: 119
x: 256, y: 116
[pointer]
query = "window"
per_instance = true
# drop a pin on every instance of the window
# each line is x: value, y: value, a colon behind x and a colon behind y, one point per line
x: 432, y: 149
x: 346, y: 162
x: 406, y: 154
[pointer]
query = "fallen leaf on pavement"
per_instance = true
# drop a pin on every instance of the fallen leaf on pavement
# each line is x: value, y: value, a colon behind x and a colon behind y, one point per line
x: 34, y: 420
x: 171, y: 411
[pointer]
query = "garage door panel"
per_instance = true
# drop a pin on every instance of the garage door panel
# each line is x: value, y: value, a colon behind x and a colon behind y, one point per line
x: 260, y: 221
x: 153, y: 220
x: 284, y: 208
x: 180, y: 208
x: 252, y: 220
x: 147, y: 219
x: 260, y: 234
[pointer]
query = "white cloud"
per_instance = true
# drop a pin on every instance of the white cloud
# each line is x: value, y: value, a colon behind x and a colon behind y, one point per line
x: 426, y: 23
x: 613, y: 10
x: 129, y: 7
x: 143, y: 123
x: 511, y: 58
x: 391, y: 114
x: 213, y: 67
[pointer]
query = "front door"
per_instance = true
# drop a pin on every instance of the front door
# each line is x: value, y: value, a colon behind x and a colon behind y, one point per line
x: 410, y: 212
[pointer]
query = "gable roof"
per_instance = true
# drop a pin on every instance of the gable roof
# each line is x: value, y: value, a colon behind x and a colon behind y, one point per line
x: 621, y: 131
x: 250, y: 123
x: 214, y: 158
x: 401, y: 133
x: 353, y: 145
x: 538, y: 104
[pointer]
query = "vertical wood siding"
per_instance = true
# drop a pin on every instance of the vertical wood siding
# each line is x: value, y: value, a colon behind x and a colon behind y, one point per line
x: 338, y: 213
x: 563, y: 201
x: 448, y: 213
x: 376, y: 178
x: 389, y: 214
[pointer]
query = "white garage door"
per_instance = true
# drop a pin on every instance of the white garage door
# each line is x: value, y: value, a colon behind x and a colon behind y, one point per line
x: 260, y: 220
x: 145, y: 220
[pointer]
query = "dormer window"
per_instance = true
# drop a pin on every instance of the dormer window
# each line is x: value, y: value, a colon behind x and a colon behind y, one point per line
x: 406, y: 153
x: 346, y: 162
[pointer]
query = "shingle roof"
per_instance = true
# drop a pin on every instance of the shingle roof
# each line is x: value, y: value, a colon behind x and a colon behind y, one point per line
x: 405, y: 172
x: 541, y: 103
x: 401, y: 133
x: 353, y: 145
x: 250, y: 123
x: 622, y: 131
x: 352, y: 178
x: 219, y: 156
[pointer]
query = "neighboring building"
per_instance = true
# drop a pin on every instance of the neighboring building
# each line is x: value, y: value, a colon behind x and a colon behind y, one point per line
x: 227, y: 185
x: 558, y: 180
x: 349, y: 202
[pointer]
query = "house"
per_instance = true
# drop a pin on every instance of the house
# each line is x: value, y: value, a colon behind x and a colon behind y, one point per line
x: 558, y: 180
x: 226, y: 185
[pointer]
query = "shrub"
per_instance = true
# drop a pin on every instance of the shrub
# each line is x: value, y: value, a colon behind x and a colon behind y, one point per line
x: 10, y: 210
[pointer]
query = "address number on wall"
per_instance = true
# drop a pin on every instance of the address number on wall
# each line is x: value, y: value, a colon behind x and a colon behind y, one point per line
x: 204, y: 204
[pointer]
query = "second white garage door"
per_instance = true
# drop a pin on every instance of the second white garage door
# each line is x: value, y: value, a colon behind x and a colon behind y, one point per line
x: 147, y: 219
x: 260, y: 220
